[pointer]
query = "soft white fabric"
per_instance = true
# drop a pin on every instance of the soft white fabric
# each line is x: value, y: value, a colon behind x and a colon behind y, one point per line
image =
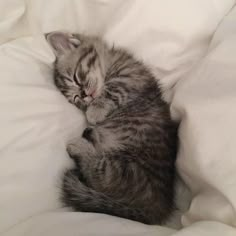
x: 36, y: 120
x: 205, y: 102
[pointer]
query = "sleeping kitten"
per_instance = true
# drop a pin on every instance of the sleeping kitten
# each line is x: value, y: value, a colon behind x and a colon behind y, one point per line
x: 125, y: 159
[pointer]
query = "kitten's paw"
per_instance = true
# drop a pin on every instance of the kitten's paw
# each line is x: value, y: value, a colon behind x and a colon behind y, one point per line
x: 95, y: 114
x: 79, y: 147
x: 71, y: 149
x: 73, y: 155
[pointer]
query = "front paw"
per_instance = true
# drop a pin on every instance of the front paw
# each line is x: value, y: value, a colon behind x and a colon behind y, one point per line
x: 72, y: 150
x: 95, y: 114
x: 73, y: 155
x: 81, y: 105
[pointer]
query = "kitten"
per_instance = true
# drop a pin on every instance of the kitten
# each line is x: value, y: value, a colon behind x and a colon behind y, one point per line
x: 125, y: 159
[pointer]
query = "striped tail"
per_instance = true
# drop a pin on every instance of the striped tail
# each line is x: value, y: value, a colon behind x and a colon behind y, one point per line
x: 82, y: 198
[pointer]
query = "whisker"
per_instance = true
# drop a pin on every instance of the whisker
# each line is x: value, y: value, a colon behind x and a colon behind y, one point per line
x: 76, y: 79
x: 76, y: 97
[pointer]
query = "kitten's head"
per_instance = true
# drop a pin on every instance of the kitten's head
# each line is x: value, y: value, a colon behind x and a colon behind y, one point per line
x: 79, y: 66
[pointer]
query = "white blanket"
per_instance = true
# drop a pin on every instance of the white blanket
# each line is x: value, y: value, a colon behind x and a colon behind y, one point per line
x: 198, y: 76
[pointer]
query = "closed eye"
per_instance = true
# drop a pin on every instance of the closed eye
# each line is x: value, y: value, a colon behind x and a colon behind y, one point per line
x: 76, y: 80
x: 76, y: 97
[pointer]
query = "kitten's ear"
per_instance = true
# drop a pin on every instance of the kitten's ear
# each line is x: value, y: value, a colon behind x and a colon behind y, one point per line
x: 62, y: 42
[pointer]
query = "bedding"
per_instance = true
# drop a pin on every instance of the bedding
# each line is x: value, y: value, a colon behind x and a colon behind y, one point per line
x: 190, y: 44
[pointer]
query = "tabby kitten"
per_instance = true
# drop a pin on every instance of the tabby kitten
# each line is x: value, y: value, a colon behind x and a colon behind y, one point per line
x: 125, y: 159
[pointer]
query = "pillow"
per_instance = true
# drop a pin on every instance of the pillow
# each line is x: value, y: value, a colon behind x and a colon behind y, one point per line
x: 36, y: 120
x: 205, y: 102
x: 169, y: 35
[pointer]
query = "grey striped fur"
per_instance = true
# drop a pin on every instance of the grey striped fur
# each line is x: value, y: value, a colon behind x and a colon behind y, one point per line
x: 125, y: 159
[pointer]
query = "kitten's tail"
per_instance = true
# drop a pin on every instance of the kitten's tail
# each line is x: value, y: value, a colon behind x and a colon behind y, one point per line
x: 82, y: 198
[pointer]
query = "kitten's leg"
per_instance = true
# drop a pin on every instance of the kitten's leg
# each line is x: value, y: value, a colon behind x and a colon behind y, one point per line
x: 115, y: 94
x: 81, y: 147
x: 99, y: 110
x: 75, y: 100
x: 83, y: 153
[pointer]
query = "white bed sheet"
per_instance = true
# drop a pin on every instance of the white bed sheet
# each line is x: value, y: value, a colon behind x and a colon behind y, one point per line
x: 36, y: 120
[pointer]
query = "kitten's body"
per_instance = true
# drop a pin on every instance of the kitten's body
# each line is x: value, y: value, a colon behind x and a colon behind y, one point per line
x: 125, y: 161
